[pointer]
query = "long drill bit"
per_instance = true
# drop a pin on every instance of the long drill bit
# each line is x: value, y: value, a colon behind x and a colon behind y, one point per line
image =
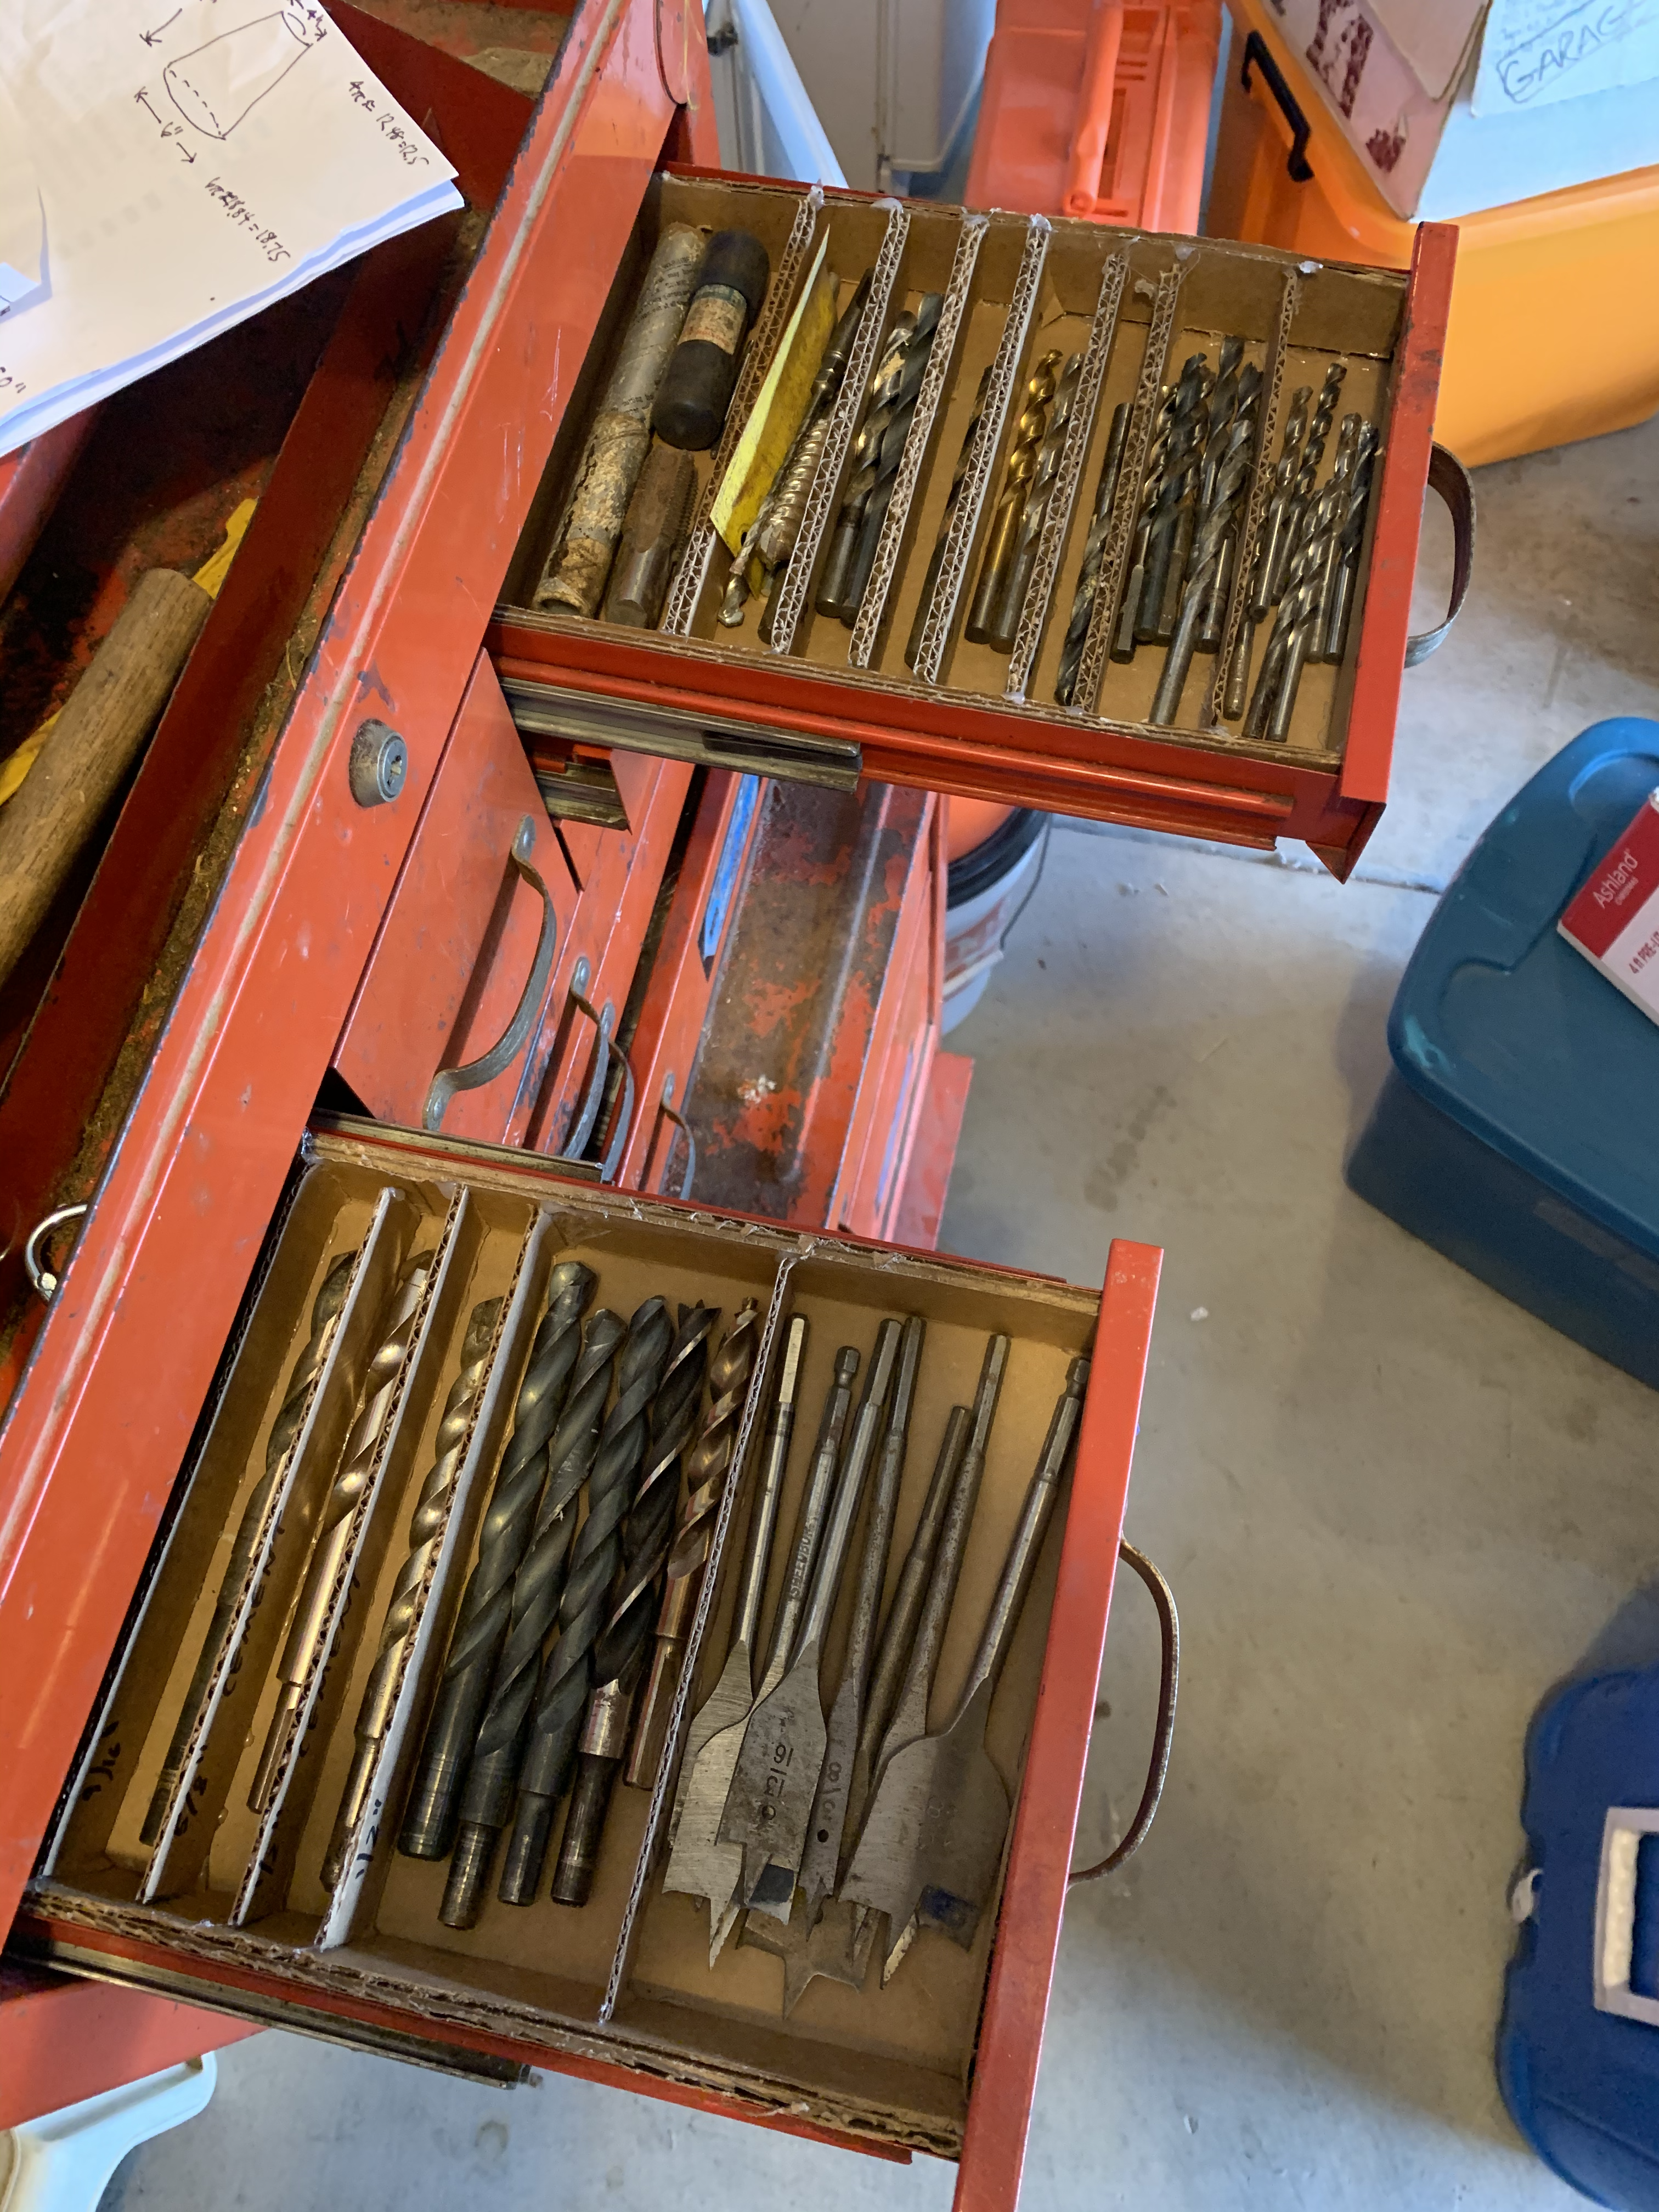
x: 1225, y: 399
x: 1258, y: 600
x: 1170, y: 536
x: 1295, y: 630
x: 1094, y: 548
x: 1339, y: 595
x: 486, y: 1794
x: 1213, y: 611
x: 1307, y: 477
x: 893, y: 387
x: 337, y: 1522
x: 1039, y: 493
x: 567, y: 1673
x: 284, y: 1431
x: 623, y: 1644
x: 707, y: 1470
x: 901, y: 414
x: 481, y: 1623
x: 426, y: 1528
x: 1128, y: 610
x: 952, y: 500
x: 1216, y: 533
x: 1018, y: 472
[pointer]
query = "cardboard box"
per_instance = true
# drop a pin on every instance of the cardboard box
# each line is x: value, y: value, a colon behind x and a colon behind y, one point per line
x: 1614, y: 920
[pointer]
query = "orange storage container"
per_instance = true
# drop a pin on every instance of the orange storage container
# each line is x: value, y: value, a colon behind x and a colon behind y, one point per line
x: 1099, y: 111
x: 1554, y: 327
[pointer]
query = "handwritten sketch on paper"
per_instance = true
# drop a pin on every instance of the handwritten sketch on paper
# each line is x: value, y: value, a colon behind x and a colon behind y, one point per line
x: 190, y: 167
x: 1537, y: 51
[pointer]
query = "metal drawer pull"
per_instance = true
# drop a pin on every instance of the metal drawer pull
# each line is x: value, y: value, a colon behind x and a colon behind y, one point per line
x: 1296, y: 161
x: 1450, y: 479
x: 605, y: 1044
x: 513, y: 1038
x: 45, y: 1280
x: 665, y: 1108
x: 1169, y: 1622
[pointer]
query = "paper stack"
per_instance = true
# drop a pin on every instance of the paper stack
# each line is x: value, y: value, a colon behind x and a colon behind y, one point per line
x: 166, y: 171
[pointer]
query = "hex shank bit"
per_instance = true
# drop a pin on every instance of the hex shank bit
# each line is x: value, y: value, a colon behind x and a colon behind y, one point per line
x: 481, y: 1624
x: 426, y: 1530
x: 567, y: 1673
x: 337, y: 1521
x: 284, y: 1431
x: 708, y: 1471
x: 486, y: 1796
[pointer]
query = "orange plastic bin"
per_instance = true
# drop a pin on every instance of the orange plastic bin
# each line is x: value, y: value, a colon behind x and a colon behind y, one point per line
x: 1554, y: 328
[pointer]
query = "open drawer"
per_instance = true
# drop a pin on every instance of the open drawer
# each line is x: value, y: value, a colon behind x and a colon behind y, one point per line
x: 342, y: 1554
x: 1048, y: 443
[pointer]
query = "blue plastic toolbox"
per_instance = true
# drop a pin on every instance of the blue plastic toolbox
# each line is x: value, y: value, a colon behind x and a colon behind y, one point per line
x: 1517, y: 1130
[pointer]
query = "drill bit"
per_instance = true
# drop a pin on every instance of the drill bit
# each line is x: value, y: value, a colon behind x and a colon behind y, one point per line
x: 426, y: 1530
x: 1216, y: 533
x: 337, y: 1524
x: 1225, y: 397
x: 619, y: 1654
x: 1296, y: 631
x: 1170, y: 532
x: 284, y: 1431
x: 1258, y: 599
x: 1019, y: 472
x: 770, y: 538
x: 1307, y: 477
x: 567, y: 1673
x: 1237, y: 450
x: 481, y: 1624
x: 1094, y: 548
x: 1128, y: 613
x: 892, y: 402
x: 952, y: 500
x: 1038, y: 495
x: 1340, y: 586
x: 486, y: 1796
x: 707, y: 1469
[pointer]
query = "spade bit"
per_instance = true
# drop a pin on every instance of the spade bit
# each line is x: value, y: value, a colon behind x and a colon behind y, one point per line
x: 776, y: 1776
x: 932, y: 1844
x: 700, y: 1864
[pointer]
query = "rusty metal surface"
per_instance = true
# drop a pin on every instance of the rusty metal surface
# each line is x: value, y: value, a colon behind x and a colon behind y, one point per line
x: 790, y: 1025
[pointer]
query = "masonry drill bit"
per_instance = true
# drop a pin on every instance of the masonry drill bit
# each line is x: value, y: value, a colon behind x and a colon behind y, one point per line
x: 1169, y: 535
x: 567, y: 1675
x: 1133, y: 589
x: 892, y: 402
x: 623, y: 1645
x: 1018, y: 472
x: 952, y: 500
x: 1302, y: 491
x: 1216, y: 533
x: 1094, y: 548
x: 337, y: 1523
x: 1258, y: 600
x: 485, y: 1796
x: 770, y: 538
x: 481, y: 1623
x: 426, y: 1530
x: 284, y: 1433
x: 707, y: 1470
x: 1339, y: 595
x: 1039, y: 495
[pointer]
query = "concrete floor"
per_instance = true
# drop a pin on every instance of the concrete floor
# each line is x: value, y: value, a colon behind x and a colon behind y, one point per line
x: 1395, y: 1509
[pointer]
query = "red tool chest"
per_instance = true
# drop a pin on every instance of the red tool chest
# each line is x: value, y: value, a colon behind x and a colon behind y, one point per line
x: 250, y: 933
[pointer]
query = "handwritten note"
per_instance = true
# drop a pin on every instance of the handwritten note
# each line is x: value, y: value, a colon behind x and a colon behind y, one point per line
x: 1537, y: 51
x: 190, y: 165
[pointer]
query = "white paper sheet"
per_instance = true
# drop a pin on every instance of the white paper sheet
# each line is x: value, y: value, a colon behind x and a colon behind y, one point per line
x: 23, y: 225
x: 1537, y: 51
x: 193, y: 165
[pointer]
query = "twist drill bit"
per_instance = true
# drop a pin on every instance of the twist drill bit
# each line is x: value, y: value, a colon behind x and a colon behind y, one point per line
x: 1307, y: 477
x: 1339, y: 600
x: 1122, y: 646
x: 707, y: 1469
x: 337, y: 1522
x: 567, y: 1675
x: 1216, y: 533
x: 1259, y: 600
x: 619, y: 1655
x: 1224, y: 400
x: 486, y: 1796
x: 1039, y: 493
x: 1237, y: 450
x: 952, y: 500
x: 1017, y: 474
x: 1094, y: 549
x: 1296, y: 627
x: 770, y: 538
x: 1341, y: 478
x: 1169, y: 535
x: 284, y: 1431
x: 876, y: 451
x: 481, y: 1623
x: 426, y: 1528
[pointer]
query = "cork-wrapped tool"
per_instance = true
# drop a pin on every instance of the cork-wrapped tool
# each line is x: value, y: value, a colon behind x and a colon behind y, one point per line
x: 575, y: 577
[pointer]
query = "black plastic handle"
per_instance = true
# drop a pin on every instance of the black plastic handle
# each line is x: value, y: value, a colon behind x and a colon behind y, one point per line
x: 1255, y: 50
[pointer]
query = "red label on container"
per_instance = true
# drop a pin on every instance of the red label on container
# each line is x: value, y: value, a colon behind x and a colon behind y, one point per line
x: 1626, y: 879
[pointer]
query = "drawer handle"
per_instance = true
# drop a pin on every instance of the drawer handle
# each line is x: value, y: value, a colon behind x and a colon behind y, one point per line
x: 1449, y: 477
x: 513, y: 1038
x: 1169, y: 1622
x: 665, y: 1108
x: 605, y: 1043
x: 1255, y: 50
x: 45, y: 1280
